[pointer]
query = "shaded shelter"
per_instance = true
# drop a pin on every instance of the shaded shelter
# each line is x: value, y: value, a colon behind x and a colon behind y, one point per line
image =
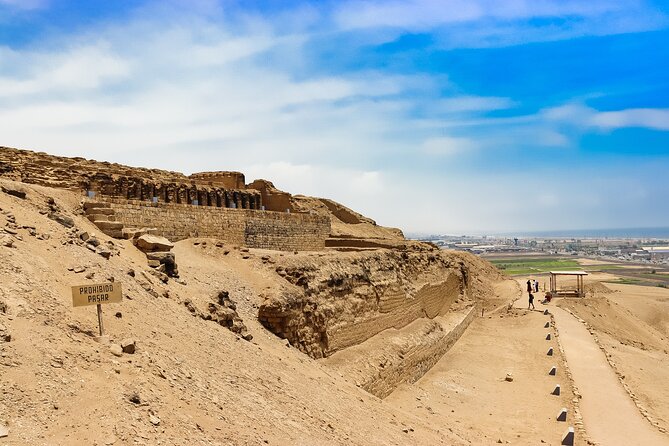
x: 567, y: 292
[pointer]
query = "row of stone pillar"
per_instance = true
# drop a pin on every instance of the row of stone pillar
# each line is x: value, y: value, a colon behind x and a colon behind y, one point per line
x: 136, y: 189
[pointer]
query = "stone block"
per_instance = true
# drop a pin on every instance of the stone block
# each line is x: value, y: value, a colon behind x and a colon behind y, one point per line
x: 568, y: 437
x: 100, y: 217
x: 115, y: 233
x: 546, y: 311
x: 550, y: 351
x: 149, y: 243
x: 116, y: 350
x: 128, y: 346
x: 547, y: 325
x: 107, y: 224
x: 556, y: 390
x: 562, y: 415
x: 548, y: 337
x: 94, y: 205
x: 104, y: 211
x: 553, y: 371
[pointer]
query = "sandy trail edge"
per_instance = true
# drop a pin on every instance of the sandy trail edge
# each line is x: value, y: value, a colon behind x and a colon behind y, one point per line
x: 609, y: 415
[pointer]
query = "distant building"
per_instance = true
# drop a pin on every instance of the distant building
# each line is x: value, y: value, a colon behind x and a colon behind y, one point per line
x: 657, y: 252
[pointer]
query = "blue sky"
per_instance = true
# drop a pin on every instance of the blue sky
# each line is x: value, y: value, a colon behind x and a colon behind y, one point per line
x: 451, y: 116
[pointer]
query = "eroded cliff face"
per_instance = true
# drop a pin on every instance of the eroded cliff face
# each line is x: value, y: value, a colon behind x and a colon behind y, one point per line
x: 339, y: 300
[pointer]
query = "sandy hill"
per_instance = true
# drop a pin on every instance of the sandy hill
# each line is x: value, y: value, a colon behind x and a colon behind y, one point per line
x: 193, y: 380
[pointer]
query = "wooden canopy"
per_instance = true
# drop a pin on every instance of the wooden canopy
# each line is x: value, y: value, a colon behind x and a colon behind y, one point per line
x: 578, y: 292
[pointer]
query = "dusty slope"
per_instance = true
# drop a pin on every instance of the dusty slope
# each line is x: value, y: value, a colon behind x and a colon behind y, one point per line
x: 200, y: 382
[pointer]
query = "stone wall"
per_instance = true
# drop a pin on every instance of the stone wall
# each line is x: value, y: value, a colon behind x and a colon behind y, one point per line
x: 401, y: 356
x: 255, y: 229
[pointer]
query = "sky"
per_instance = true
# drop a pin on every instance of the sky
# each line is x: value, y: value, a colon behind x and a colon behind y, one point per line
x: 442, y: 117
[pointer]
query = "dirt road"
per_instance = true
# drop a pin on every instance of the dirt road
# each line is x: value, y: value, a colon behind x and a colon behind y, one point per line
x: 609, y: 415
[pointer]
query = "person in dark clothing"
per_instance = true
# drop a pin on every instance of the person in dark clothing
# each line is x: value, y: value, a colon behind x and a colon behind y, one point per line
x: 536, y: 286
x: 529, y: 285
x: 531, y: 304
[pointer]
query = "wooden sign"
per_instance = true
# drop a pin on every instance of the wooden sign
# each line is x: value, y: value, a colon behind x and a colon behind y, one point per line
x: 94, y: 294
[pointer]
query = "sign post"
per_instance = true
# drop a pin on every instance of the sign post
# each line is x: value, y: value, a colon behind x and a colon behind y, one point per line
x: 102, y: 328
x: 97, y: 294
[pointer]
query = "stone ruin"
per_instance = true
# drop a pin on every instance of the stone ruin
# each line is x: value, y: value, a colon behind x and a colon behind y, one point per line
x: 123, y: 201
x: 219, y: 189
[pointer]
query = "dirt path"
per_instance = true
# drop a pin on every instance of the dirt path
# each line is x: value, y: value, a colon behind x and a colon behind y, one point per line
x: 609, y: 415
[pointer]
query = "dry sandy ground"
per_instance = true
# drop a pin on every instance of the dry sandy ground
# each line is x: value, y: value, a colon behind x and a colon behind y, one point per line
x: 466, y: 391
x: 192, y: 381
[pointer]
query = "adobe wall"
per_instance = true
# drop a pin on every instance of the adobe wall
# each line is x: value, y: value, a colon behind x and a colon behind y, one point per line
x: 272, y: 198
x: 226, y: 179
x: 396, y: 311
x: 244, y: 227
x: 340, y: 301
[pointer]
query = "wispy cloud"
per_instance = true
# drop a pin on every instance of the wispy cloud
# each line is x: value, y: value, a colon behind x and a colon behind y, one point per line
x: 490, y: 23
x: 583, y: 116
x: 25, y: 4
x: 459, y: 104
x: 656, y: 119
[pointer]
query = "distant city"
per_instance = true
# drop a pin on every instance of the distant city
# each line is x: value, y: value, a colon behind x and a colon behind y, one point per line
x: 640, y: 245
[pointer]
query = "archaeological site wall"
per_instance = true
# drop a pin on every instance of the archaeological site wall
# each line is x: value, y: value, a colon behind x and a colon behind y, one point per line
x: 338, y: 303
x: 207, y: 204
x: 215, y: 189
x: 254, y: 229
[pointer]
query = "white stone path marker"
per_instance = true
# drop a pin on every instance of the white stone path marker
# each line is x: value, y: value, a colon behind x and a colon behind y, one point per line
x: 568, y: 437
x: 562, y: 416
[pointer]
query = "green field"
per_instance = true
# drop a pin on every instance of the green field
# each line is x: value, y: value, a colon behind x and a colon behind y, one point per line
x: 515, y: 267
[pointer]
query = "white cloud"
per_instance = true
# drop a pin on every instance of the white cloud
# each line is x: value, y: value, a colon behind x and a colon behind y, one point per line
x: 657, y: 119
x: 75, y: 69
x: 448, y: 146
x: 582, y: 116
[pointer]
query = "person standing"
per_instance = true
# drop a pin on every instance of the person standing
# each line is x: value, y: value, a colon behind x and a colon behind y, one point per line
x: 531, y: 304
x: 529, y: 286
x: 536, y: 286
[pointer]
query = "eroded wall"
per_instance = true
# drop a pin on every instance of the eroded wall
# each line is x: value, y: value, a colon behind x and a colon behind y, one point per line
x: 338, y: 302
